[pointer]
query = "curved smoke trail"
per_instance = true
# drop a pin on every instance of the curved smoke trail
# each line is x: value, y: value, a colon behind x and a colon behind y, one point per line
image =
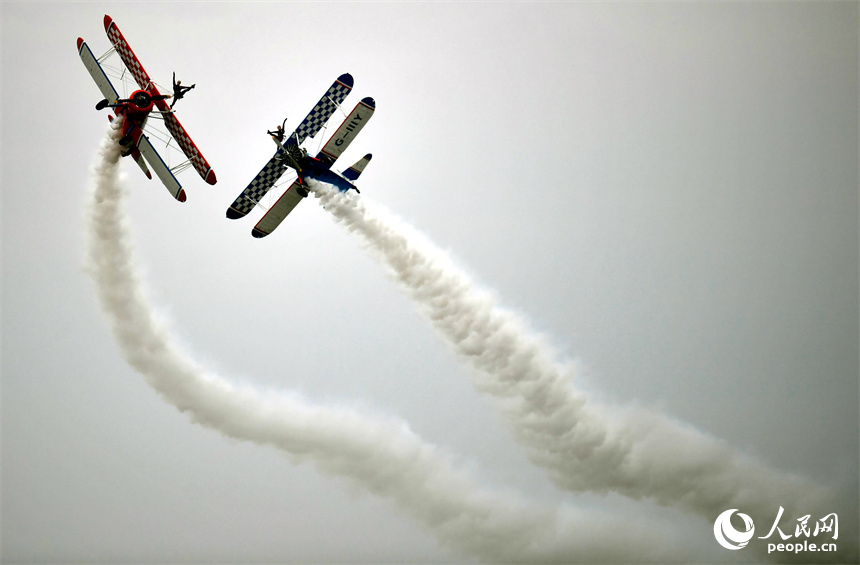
x: 378, y: 454
x: 583, y: 446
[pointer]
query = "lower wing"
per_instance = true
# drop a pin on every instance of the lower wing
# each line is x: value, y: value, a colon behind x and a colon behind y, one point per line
x: 161, y: 169
x: 276, y: 214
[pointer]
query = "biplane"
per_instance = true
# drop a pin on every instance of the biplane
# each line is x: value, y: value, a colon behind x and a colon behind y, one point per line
x: 137, y: 109
x: 291, y: 155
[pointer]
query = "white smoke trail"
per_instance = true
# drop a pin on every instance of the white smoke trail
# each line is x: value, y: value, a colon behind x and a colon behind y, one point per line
x: 583, y: 446
x: 378, y: 454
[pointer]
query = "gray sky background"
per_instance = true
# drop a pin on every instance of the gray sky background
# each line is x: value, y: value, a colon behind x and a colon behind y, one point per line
x: 668, y: 191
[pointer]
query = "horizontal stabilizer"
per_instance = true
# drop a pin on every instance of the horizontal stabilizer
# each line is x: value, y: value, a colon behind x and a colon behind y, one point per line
x: 348, y: 130
x: 276, y: 214
x: 354, y: 171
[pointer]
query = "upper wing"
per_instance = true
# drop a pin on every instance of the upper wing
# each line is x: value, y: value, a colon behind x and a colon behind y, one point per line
x: 276, y: 214
x: 348, y: 130
x: 254, y: 192
x: 128, y: 57
x: 188, y: 147
x: 323, y: 110
x: 173, y: 126
x: 96, y: 71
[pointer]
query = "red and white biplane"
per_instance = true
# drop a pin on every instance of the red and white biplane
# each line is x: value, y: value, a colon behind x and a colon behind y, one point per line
x: 137, y: 108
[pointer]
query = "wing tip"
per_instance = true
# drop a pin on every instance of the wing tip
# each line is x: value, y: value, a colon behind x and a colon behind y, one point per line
x: 258, y: 233
x: 181, y: 195
x: 234, y: 214
x: 210, y: 177
x: 368, y: 101
x: 346, y: 80
x: 80, y: 43
x: 108, y: 21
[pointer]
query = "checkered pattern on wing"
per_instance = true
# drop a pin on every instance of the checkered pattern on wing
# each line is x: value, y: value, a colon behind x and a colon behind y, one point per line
x: 182, y: 138
x: 128, y: 57
x: 321, y: 113
x: 258, y: 188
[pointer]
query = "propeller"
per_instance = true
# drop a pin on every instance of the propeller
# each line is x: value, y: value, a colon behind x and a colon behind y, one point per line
x: 294, y: 152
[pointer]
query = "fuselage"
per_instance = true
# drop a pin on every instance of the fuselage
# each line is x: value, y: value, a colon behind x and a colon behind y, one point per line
x: 319, y: 168
x: 135, y: 111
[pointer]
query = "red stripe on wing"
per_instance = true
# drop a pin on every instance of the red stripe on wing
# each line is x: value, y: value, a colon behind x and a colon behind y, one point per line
x: 140, y: 75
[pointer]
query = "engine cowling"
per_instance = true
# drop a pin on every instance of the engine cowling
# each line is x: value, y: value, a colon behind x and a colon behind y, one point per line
x: 141, y: 101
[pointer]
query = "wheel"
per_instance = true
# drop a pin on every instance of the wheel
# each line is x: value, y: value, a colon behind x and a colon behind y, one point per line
x: 303, y: 192
x: 102, y: 105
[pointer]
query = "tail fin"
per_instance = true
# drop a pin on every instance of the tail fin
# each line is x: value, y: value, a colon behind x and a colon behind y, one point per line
x: 355, y: 170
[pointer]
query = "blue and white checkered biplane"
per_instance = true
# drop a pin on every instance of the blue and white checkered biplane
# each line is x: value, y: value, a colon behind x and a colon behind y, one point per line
x: 291, y: 155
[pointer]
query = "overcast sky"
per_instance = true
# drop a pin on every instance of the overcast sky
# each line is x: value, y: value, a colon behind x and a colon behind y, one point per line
x: 668, y: 192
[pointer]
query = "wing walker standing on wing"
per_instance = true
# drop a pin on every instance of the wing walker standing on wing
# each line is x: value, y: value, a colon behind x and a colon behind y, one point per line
x: 279, y: 133
x: 179, y: 90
